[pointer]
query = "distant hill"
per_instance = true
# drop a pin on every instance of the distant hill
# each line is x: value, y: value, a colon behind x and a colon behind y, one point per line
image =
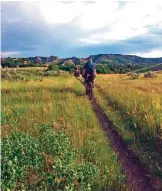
x: 100, y: 59
x: 124, y: 59
x: 108, y: 59
x: 40, y: 59
x: 156, y: 67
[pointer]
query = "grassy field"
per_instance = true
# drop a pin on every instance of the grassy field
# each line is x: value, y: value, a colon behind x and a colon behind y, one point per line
x: 51, y: 138
x: 135, y: 107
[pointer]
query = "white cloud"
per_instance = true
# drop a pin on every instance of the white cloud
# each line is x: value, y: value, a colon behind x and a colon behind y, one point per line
x: 119, y: 23
x: 96, y: 22
x: 10, y: 53
x: 97, y: 15
x: 59, y: 12
x: 130, y: 21
x: 151, y: 54
x: 89, y: 41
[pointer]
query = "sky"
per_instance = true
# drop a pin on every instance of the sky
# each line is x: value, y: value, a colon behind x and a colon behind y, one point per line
x: 81, y: 28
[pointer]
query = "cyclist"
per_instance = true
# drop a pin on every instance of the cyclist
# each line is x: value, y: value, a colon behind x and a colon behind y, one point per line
x: 88, y: 70
x: 76, y: 71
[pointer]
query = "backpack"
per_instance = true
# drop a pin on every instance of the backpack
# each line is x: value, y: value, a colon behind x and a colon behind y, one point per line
x: 90, y: 67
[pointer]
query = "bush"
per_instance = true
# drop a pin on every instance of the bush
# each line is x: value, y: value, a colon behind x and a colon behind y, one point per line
x: 67, y: 68
x: 150, y: 75
x: 134, y: 76
x: 45, y: 65
x: 21, y: 75
x: 53, y: 67
x: 46, y: 162
x: 129, y: 73
x: 52, y: 73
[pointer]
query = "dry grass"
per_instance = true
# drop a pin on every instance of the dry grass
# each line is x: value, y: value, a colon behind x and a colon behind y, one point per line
x: 135, y: 107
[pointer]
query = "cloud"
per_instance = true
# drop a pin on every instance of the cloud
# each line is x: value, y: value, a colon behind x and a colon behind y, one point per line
x: 130, y: 21
x: 151, y: 54
x: 10, y: 53
x: 67, y: 28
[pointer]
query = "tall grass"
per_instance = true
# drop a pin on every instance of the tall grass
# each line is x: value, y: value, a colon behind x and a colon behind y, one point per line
x: 60, y: 102
x: 135, y: 106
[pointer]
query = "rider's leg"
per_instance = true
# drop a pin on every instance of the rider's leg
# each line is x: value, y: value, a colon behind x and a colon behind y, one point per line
x: 85, y: 84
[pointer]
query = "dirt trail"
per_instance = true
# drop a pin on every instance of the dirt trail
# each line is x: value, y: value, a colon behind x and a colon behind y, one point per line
x: 137, y: 174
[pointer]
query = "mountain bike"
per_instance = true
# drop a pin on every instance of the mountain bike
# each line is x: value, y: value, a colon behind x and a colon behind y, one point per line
x: 76, y: 74
x: 90, y: 86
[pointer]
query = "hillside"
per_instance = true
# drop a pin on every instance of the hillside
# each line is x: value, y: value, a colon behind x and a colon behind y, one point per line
x: 156, y: 67
x: 40, y: 59
x: 124, y: 59
x: 101, y: 59
x: 118, y: 59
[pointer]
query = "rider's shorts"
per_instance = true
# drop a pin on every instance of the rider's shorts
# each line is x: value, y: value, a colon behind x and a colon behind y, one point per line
x: 88, y: 77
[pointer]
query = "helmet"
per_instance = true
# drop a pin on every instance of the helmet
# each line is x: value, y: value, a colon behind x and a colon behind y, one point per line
x: 89, y: 58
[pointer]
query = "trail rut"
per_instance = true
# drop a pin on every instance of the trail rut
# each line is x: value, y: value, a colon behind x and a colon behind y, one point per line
x: 137, y: 175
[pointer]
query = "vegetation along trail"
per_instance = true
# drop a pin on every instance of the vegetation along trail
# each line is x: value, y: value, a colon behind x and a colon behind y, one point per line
x: 137, y: 174
x: 60, y: 144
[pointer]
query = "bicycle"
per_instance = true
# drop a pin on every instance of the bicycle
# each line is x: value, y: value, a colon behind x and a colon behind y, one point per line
x: 90, y: 86
x: 76, y: 74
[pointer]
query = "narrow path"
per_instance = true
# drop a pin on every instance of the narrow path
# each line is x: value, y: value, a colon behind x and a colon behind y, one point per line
x: 137, y: 174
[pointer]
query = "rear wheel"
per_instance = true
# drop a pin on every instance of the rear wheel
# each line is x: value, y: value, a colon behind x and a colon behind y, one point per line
x: 90, y: 90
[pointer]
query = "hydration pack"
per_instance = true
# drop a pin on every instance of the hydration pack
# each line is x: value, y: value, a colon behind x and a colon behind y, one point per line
x: 90, y: 67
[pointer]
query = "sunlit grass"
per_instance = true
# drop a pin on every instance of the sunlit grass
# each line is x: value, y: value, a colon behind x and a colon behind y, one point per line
x: 60, y: 101
x: 135, y: 106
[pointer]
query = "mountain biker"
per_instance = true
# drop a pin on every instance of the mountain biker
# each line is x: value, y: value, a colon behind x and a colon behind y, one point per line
x: 76, y: 71
x: 75, y: 68
x: 89, y: 69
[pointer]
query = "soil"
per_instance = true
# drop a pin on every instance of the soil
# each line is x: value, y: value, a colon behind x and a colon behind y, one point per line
x: 137, y: 174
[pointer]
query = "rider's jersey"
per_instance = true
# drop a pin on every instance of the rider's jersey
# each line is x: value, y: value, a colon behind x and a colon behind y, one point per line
x: 76, y: 68
x: 89, y: 67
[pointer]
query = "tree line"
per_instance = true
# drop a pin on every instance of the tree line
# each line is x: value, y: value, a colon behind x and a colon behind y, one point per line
x: 100, y: 68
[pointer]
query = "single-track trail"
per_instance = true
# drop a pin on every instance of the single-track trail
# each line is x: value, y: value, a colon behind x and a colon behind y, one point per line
x: 137, y: 174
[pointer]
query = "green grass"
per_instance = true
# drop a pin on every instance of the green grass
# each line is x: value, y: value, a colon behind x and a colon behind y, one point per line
x: 58, y: 102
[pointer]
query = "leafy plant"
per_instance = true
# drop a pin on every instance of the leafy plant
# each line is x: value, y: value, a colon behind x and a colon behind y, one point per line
x: 50, y: 157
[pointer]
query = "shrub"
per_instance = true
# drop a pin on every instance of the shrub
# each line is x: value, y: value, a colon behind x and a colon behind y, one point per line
x: 21, y: 75
x: 53, y: 67
x: 52, y: 73
x: 45, y: 65
x: 134, y: 76
x: 150, y: 75
x: 129, y: 73
x: 46, y: 162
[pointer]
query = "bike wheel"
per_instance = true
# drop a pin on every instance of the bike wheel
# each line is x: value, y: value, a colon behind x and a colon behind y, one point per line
x: 90, y: 90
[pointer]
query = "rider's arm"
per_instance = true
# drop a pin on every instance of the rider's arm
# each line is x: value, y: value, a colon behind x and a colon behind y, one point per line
x: 94, y: 70
x: 83, y: 70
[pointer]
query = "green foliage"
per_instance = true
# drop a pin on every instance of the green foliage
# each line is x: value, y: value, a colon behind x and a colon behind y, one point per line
x: 53, y: 67
x: 49, y: 158
x: 68, y: 68
x: 21, y: 75
x: 52, y: 73
x: 112, y: 67
x: 21, y: 62
x: 59, y: 99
